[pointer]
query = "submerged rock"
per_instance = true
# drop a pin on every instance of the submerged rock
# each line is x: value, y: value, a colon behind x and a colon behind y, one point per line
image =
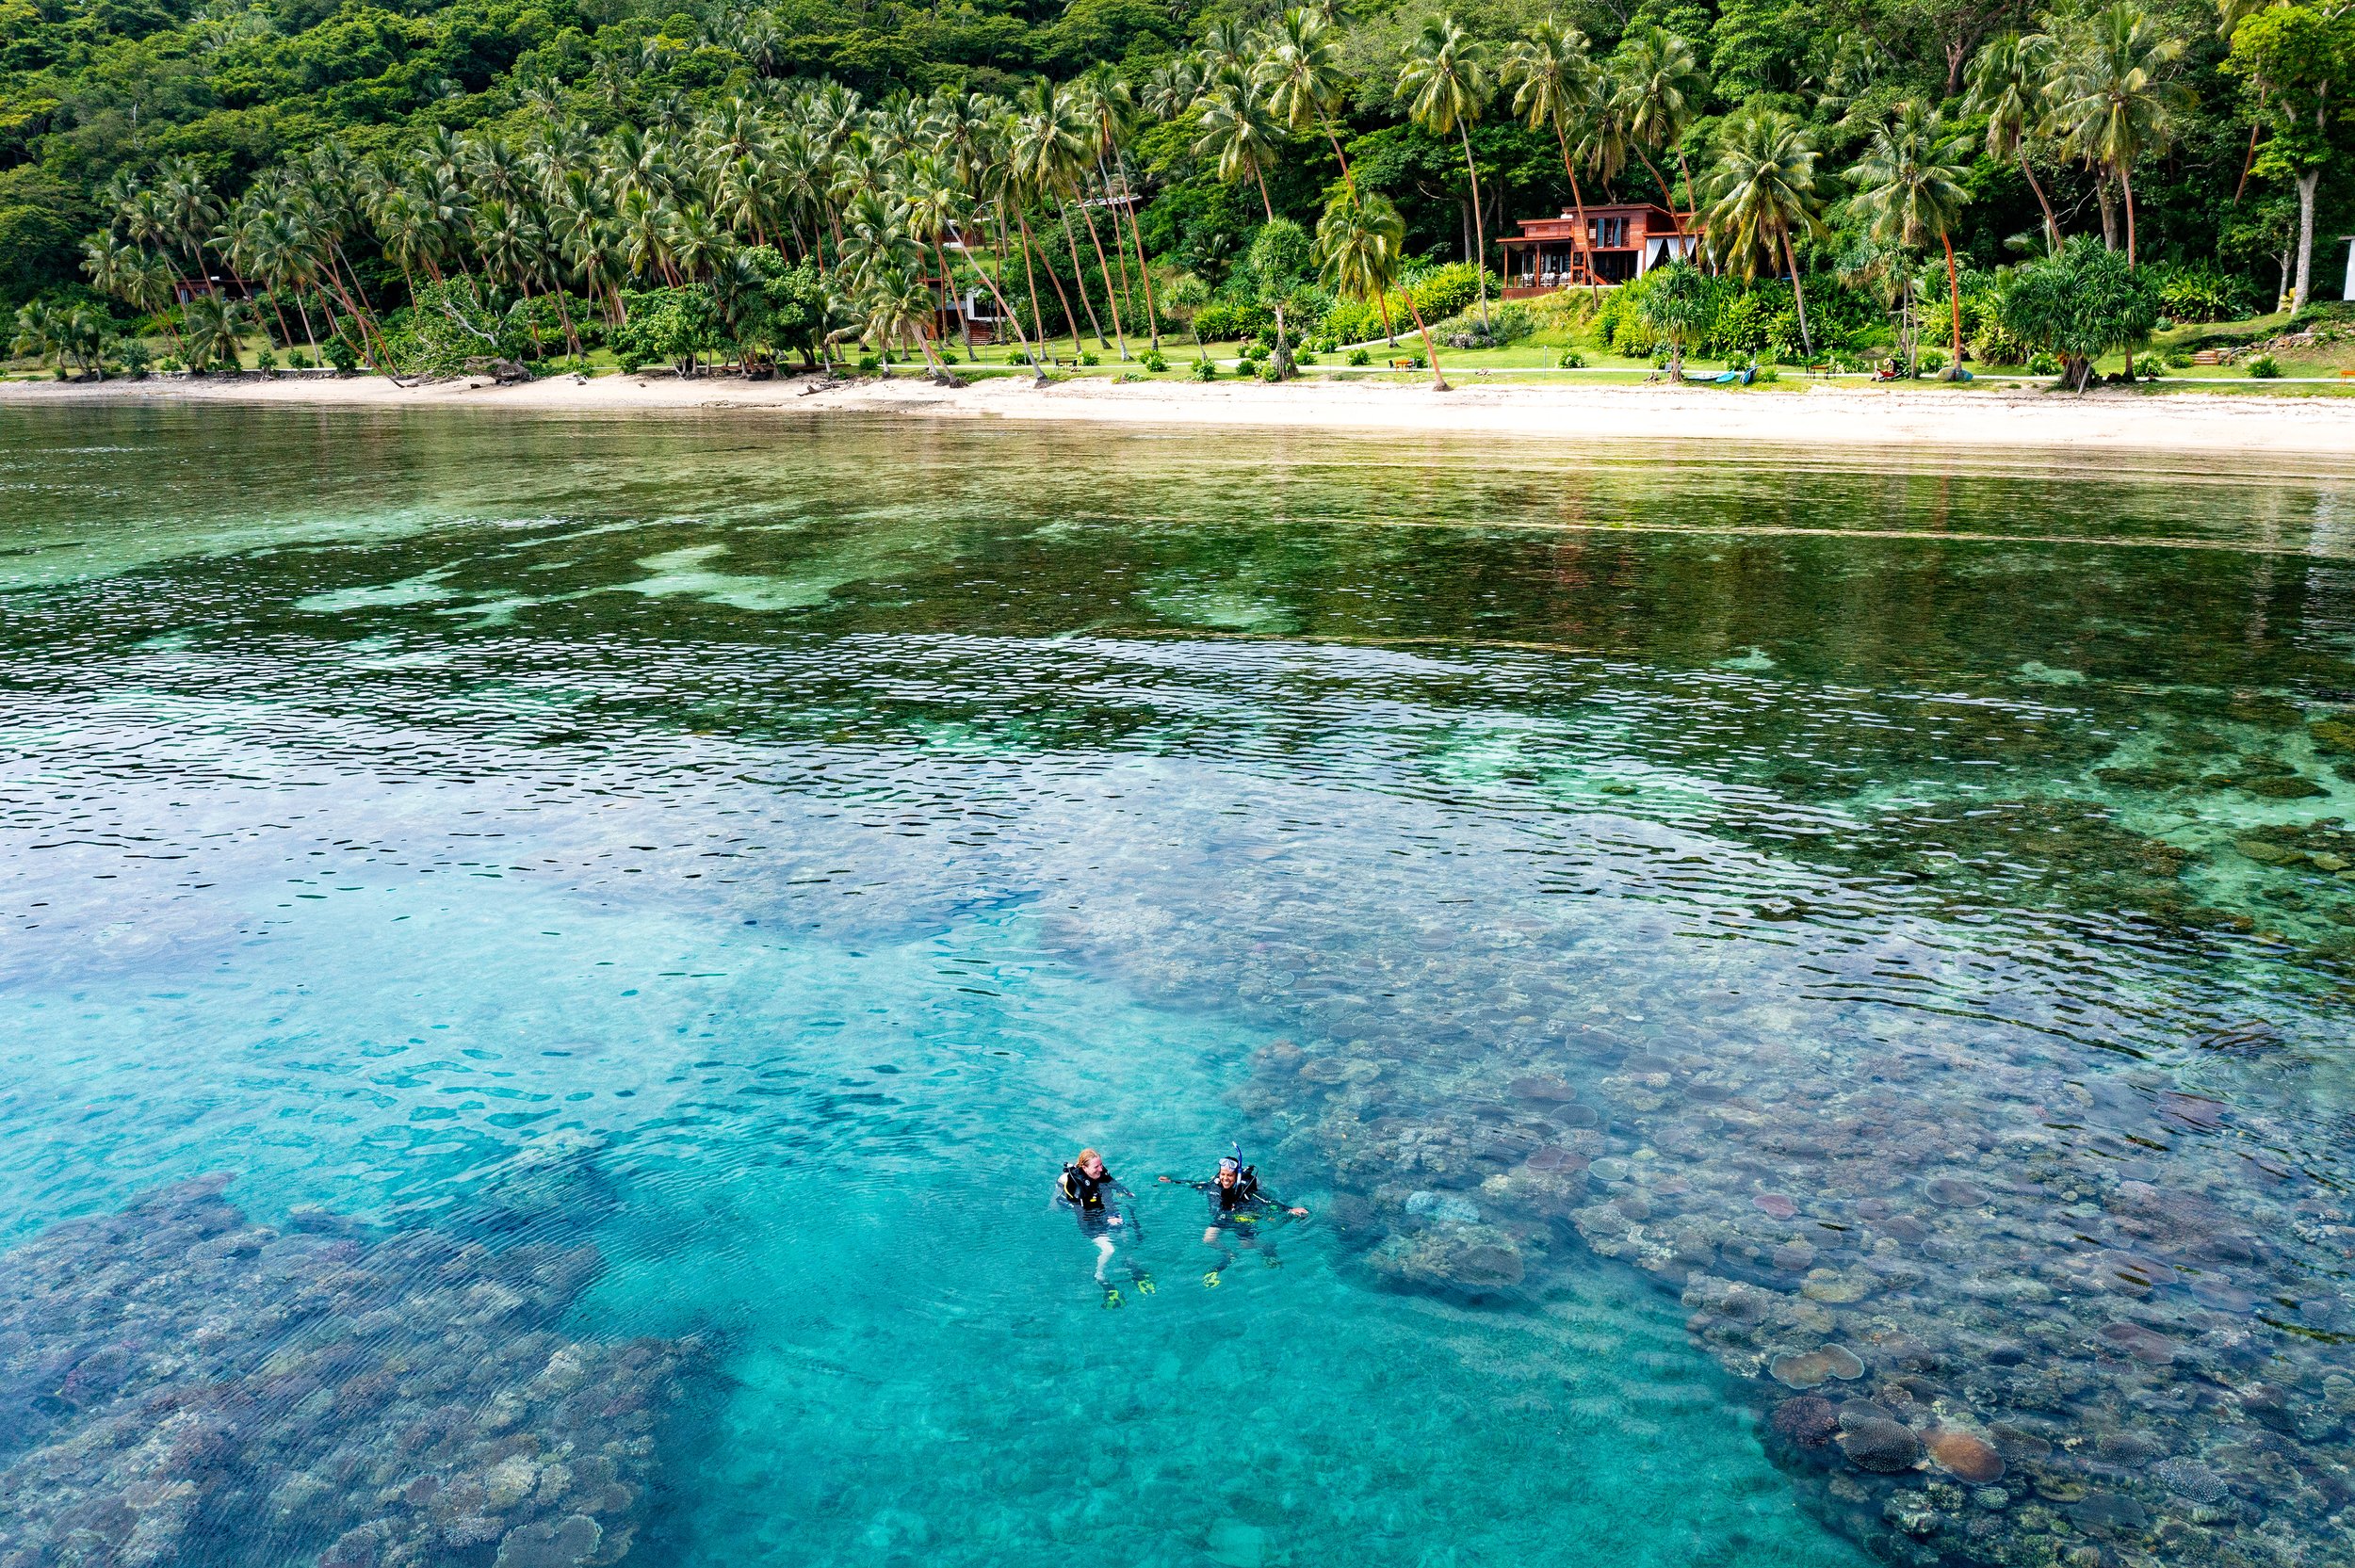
x: 238, y: 1397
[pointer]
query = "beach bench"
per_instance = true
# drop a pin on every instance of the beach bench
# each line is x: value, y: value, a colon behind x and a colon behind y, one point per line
x: 1401, y: 364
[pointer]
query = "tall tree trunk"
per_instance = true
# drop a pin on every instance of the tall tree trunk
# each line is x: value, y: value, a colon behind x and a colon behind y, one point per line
x: 2249, y: 161
x: 1104, y: 271
x: 565, y: 313
x: 2051, y: 224
x: 1265, y: 205
x: 1438, y: 382
x: 308, y: 335
x: 1954, y: 305
x: 1144, y: 269
x: 1579, y: 245
x: 1799, y: 295
x: 1036, y: 323
x: 2109, y: 210
x: 1079, y: 280
x: 965, y: 323
x: 1342, y: 158
x: 2126, y: 184
x: 2306, y: 183
x: 1665, y: 200
x: 1480, y: 230
x: 1006, y: 311
x: 285, y: 333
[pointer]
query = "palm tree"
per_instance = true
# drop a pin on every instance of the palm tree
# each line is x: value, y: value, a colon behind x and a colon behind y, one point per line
x: 1304, y: 82
x: 1555, y: 83
x: 2113, y: 99
x: 212, y: 328
x: 1657, y: 88
x: 1239, y: 132
x: 1445, y: 83
x: 1049, y: 144
x: 895, y: 303
x: 1100, y: 99
x: 2006, y: 83
x: 1359, y: 247
x: 1908, y: 192
x: 1113, y: 110
x: 1761, y: 190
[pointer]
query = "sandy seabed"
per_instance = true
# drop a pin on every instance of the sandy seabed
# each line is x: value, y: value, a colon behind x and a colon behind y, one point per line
x: 1827, y: 418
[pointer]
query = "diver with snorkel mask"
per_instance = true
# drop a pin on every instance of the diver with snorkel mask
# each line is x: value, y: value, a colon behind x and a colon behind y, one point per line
x: 1238, y: 1209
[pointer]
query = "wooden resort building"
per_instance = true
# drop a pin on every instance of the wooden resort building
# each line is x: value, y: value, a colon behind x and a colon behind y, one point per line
x: 1622, y: 242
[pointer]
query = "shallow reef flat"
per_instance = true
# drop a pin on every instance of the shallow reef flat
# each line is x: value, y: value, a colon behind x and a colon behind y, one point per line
x: 181, y: 1385
x: 1992, y: 1307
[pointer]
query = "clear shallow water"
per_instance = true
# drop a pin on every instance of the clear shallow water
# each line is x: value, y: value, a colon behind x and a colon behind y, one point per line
x: 1664, y: 916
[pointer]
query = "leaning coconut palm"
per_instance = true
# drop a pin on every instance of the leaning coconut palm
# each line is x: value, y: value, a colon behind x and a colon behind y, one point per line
x: 1110, y: 108
x: 1657, y: 88
x: 1763, y: 192
x: 894, y: 302
x: 1239, y: 132
x: 1050, y: 147
x: 1305, y: 83
x: 1359, y: 245
x: 1910, y: 192
x: 210, y: 328
x: 2006, y: 83
x: 1555, y: 85
x: 2114, y: 97
x: 1445, y: 83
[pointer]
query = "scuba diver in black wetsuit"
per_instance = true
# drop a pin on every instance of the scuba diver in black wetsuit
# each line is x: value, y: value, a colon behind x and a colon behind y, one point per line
x: 1082, y: 1189
x: 1240, y: 1209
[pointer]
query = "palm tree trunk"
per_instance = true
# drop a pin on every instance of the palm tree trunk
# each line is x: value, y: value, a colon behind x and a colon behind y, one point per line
x: 1265, y: 205
x: 1144, y: 269
x: 1480, y: 232
x: 1666, y: 200
x: 1015, y: 321
x: 1954, y: 305
x: 1104, y: 272
x: 565, y: 313
x: 2126, y: 184
x: 1577, y: 203
x: 1068, y: 313
x: 1799, y: 295
x: 1438, y: 382
x: 1342, y: 158
x: 1079, y: 280
x: 308, y: 335
x: 1037, y: 323
x: 2051, y: 224
x: 285, y: 333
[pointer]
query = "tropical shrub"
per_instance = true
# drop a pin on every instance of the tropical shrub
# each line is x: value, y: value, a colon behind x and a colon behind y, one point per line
x: 1205, y: 370
x: 2150, y: 367
x: 2042, y: 363
x: 1220, y: 320
x: 2199, y: 293
x: 135, y: 357
x: 1361, y: 356
x: 340, y: 353
x: 1677, y: 307
x: 1445, y: 291
x: 2264, y: 367
x: 1154, y: 361
x: 2079, y: 304
x: 1572, y: 360
x: 671, y: 326
x: 1087, y: 356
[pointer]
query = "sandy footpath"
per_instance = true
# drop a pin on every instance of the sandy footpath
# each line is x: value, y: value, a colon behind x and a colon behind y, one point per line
x: 1821, y: 417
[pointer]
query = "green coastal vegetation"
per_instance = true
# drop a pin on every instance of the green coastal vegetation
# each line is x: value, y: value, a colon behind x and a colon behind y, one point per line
x: 1171, y: 189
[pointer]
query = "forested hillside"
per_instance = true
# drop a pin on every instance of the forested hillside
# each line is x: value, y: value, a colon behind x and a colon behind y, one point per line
x: 349, y: 155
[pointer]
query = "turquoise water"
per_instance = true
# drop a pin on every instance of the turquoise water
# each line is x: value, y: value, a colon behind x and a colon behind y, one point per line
x: 1663, y: 914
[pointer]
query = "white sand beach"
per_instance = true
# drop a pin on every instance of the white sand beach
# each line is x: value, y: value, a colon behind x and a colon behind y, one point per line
x: 1824, y: 417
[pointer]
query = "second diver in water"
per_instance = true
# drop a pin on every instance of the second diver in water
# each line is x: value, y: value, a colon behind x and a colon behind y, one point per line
x: 1239, y: 1210
x: 1084, y: 1187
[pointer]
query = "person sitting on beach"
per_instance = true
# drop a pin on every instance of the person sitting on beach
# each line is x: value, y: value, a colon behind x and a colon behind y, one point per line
x: 1082, y: 1188
x: 1238, y: 1209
